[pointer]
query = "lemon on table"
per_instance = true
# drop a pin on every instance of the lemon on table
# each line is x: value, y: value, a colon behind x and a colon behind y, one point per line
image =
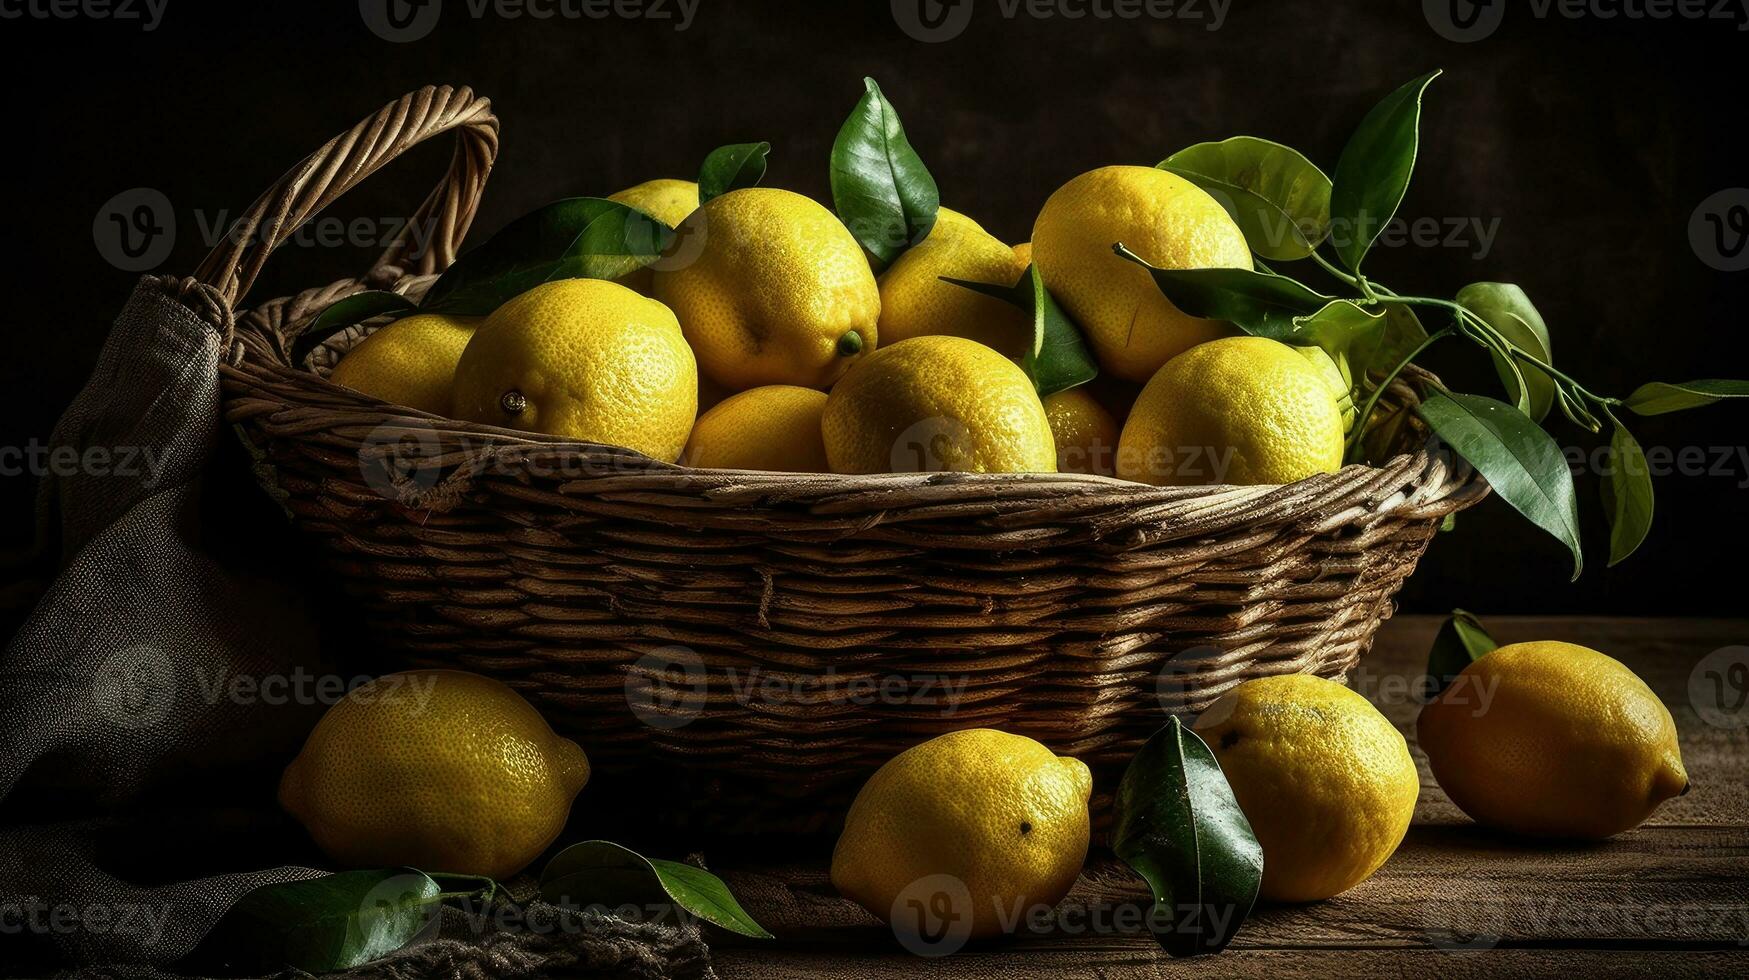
x: 1084, y: 432
x: 778, y: 293
x: 1325, y: 780
x: 1552, y: 739
x: 585, y: 359
x: 668, y: 201
x: 775, y: 427
x: 997, y: 821
x: 937, y: 403
x: 1239, y: 410
x: 1163, y: 218
x: 410, y: 362
x: 440, y: 770
x: 915, y: 302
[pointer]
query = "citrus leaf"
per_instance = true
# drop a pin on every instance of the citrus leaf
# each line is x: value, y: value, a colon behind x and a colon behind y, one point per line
x: 599, y: 872
x: 730, y: 168
x: 1179, y: 827
x: 1627, y: 495
x: 1373, y: 172
x: 334, y: 922
x: 1057, y: 357
x: 577, y: 238
x: 1658, y: 397
x: 882, y: 191
x: 1508, y: 310
x: 1259, y: 303
x: 349, y: 312
x: 1461, y: 641
x: 1401, y: 335
x: 1278, y: 198
x: 1519, y: 460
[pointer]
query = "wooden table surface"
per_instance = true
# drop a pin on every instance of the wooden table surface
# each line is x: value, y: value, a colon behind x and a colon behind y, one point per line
x: 1670, y: 898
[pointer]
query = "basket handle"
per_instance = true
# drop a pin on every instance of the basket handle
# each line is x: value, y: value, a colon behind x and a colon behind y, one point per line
x: 345, y: 162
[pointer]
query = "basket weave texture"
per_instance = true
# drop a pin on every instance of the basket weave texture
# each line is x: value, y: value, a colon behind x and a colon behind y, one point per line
x: 775, y: 637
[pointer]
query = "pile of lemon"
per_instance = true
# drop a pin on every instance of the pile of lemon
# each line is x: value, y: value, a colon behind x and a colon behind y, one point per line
x: 771, y: 319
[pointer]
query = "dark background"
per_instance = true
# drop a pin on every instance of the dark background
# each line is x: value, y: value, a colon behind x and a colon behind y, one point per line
x: 1590, y: 141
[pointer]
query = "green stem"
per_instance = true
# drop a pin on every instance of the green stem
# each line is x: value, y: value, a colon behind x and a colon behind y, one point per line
x: 1365, y: 414
x: 1464, y: 313
x: 1331, y: 268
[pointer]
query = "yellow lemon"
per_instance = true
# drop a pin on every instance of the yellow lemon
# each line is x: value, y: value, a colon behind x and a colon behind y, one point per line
x: 584, y: 359
x: 1163, y: 218
x: 441, y: 770
x: 779, y: 291
x: 916, y: 303
x: 1085, y: 433
x: 668, y: 201
x: 1337, y: 377
x: 937, y: 403
x: 1023, y: 254
x: 1240, y: 410
x: 995, y: 822
x: 410, y: 362
x: 776, y: 427
x: 1325, y: 780
x: 1552, y: 739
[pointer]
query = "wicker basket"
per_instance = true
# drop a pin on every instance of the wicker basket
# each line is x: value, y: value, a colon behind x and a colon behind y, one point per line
x: 775, y: 637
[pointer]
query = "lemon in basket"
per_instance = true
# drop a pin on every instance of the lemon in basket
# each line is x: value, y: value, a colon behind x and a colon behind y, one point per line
x: 1085, y: 433
x: 779, y: 291
x: 937, y: 404
x: 1552, y: 739
x: 916, y: 303
x: 668, y: 201
x: 1240, y: 410
x: 775, y: 427
x: 585, y: 359
x: 1325, y: 780
x: 440, y: 770
x: 410, y: 362
x: 1163, y: 218
x: 996, y: 823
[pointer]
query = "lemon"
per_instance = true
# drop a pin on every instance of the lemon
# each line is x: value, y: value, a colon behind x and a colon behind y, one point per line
x: 584, y: 359
x: 998, y: 817
x: 1163, y: 218
x: 776, y: 427
x: 1337, y: 377
x: 779, y: 291
x: 937, y: 403
x: 1325, y: 780
x: 1023, y: 254
x: 916, y: 303
x: 410, y: 362
x: 1084, y: 432
x: 668, y: 201
x: 440, y: 770
x: 1240, y: 410
x: 1552, y: 739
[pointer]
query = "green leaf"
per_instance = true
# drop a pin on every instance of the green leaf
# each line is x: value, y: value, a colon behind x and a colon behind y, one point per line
x: 1519, y: 460
x: 1401, y: 335
x: 1278, y: 198
x: 577, y: 238
x: 730, y: 168
x: 1461, y: 641
x: 1507, y: 309
x: 1179, y: 827
x: 1658, y: 397
x: 349, y: 312
x: 1259, y: 303
x: 335, y: 922
x: 1373, y: 173
x: 599, y: 872
x: 1627, y: 495
x: 1057, y: 358
x: 880, y: 187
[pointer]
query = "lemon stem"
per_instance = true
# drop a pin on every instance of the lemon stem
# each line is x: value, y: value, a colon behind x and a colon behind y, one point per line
x: 850, y: 344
